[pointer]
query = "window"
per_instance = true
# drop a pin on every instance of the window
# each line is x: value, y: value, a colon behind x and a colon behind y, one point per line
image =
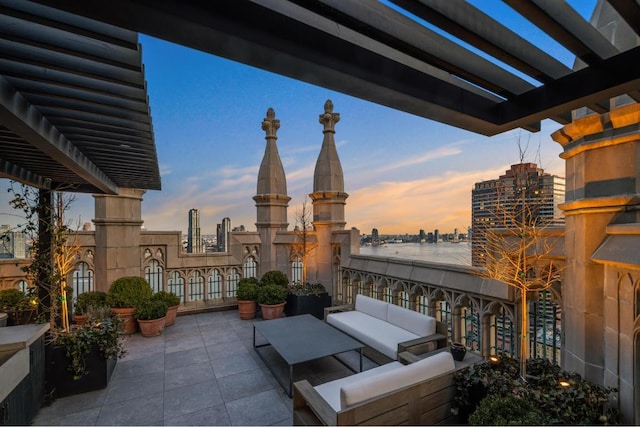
x: 234, y: 278
x: 23, y: 286
x: 176, y: 285
x: 403, y: 299
x: 249, y: 267
x: 296, y: 269
x: 82, y: 279
x: 215, y: 285
x: 153, y: 274
x: 196, y: 287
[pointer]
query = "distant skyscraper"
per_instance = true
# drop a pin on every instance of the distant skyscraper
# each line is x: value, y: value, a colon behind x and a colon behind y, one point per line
x: 12, y: 243
x: 375, y: 237
x: 223, y: 235
x: 524, y: 181
x: 194, y: 239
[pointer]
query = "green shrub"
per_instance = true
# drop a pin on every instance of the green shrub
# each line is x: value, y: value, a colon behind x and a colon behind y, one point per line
x: 272, y: 294
x: 307, y: 288
x: 151, y: 309
x: 128, y: 292
x: 93, y: 298
x: 275, y: 277
x: 247, y: 289
x: 168, y: 298
x: 15, y: 300
x: 507, y: 410
x: 580, y: 402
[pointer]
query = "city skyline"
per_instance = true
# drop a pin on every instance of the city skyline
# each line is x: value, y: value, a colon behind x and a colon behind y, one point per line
x: 207, y: 114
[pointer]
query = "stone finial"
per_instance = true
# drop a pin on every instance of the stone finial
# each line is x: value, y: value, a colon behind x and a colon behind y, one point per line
x: 329, y: 118
x: 270, y: 124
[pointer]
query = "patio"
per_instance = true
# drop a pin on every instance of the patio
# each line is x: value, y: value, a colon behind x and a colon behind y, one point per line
x: 202, y: 371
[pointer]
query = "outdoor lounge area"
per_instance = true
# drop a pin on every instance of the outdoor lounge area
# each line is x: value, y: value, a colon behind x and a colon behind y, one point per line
x: 201, y: 371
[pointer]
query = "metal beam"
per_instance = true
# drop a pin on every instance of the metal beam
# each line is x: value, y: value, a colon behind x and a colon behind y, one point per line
x: 629, y: 11
x: 15, y: 172
x: 27, y: 122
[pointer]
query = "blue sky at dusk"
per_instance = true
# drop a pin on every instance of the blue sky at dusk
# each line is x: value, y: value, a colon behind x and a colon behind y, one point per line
x: 402, y: 172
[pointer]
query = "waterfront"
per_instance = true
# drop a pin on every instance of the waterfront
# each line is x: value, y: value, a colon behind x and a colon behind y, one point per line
x: 448, y: 253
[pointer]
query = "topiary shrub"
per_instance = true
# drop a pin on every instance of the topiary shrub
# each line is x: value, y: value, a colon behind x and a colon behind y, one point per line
x: 90, y: 298
x: 507, y: 410
x: 168, y: 298
x: 15, y: 300
x: 272, y: 294
x: 151, y: 309
x: 128, y: 292
x: 247, y: 289
x: 274, y: 277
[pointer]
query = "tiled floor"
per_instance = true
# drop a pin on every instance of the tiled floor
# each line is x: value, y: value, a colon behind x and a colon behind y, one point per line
x: 202, y: 371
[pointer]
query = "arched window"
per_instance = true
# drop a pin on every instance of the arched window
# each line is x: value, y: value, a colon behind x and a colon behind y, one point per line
x: 196, y: 286
x: 153, y: 274
x: 82, y: 279
x: 232, y: 283
x: 403, y: 299
x: 422, y: 304
x: 215, y: 285
x: 175, y: 284
x: 249, y: 267
x: 296, y: 269
x: 23, y: 286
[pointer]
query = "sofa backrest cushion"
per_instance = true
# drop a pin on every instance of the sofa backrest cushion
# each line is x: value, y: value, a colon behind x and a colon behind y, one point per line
x: 418, y: 323
x: 371, y: 306
x: 367, y: 388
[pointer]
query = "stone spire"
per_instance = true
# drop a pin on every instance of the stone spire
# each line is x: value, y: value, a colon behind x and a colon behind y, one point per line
x: 328, y: 173
x: 271, y: 195
x: 271, y: 177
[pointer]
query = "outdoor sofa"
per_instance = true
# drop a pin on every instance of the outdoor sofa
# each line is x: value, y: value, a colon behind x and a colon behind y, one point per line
x: 393, y: 394
x: 386, y: 328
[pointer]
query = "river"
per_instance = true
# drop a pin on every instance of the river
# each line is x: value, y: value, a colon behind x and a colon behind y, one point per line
x: 448, y: 253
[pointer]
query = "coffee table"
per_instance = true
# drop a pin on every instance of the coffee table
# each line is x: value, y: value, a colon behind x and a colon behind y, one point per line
x: 303, y: 338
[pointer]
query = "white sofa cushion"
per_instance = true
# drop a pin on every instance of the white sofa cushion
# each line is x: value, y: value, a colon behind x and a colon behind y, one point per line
x: 330, y: 391
x: 371, y: 306
x: 418, y: 323
x: 377, y: 334
x: 361, y: 389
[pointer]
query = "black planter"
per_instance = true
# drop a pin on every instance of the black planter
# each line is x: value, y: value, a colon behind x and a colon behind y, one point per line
x: 98, y: 371
x: 458, y: 351
x: 307, y: 304
x: 21, y: 317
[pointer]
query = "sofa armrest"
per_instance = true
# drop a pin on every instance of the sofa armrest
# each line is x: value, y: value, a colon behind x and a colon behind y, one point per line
x: 304, y: 395
x: 337, y: 308
x: 423, y: 344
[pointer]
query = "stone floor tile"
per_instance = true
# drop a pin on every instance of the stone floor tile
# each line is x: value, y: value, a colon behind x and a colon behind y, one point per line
x: 185, y: 358
x: 192, y: 398
x: 234, y: 364
x: 284, y: 422
x: 128, y: 368
x: 220, y: 336
x: 131, y: 388
x: 189, y: 374
x: 88, y: 417
x: 213, y: 416
x: 183, y: 343
x: 64, y: 406
x: 259, y: 409
x: 227, y: 349
x: 144, y: 410
x: 243, y: 384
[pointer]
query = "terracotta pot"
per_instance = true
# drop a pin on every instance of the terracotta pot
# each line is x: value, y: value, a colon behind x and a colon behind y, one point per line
x: 247, y: 309
x: 272, y: 311
x: 152, y: 328
x: 127, y: 315
x: 172, y: 312
x: 80, y: 319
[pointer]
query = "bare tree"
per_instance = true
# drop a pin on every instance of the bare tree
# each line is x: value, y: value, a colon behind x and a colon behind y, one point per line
x: 517, y: 247
x: 303, y: 245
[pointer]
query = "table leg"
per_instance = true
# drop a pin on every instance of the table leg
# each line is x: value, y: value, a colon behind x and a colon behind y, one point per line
x: 360, y: 359
x: 290, y: 380
x: 254, y: 336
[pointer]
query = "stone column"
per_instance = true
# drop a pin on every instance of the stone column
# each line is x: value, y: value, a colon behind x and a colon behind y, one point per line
x: 118, y: 220
x: 602, y: 153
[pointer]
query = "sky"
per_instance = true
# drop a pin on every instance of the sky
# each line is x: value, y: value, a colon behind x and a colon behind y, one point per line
x: 403, y: 173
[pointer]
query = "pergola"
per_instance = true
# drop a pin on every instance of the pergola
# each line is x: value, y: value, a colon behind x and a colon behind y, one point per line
x: 74, y: 109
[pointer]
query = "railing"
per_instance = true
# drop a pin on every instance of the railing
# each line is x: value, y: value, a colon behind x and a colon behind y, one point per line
x: 481, y: 314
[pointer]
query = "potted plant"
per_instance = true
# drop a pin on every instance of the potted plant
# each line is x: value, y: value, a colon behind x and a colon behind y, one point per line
x: 246, y: 295
x: 274, y: 277
x: 83, y: 358
x: 307, y: 298
x: 172, y: 301
x: 20, y: 308
x: 86, y: 299
x: 124, y: 296
x: 151, y: 316
x: 272, y: 299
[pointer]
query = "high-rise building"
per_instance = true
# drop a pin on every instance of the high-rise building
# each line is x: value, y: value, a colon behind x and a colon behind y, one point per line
x: 194, y: 239
x: 223, y: 235
x: 523, y: 183
x: 12, y: 243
